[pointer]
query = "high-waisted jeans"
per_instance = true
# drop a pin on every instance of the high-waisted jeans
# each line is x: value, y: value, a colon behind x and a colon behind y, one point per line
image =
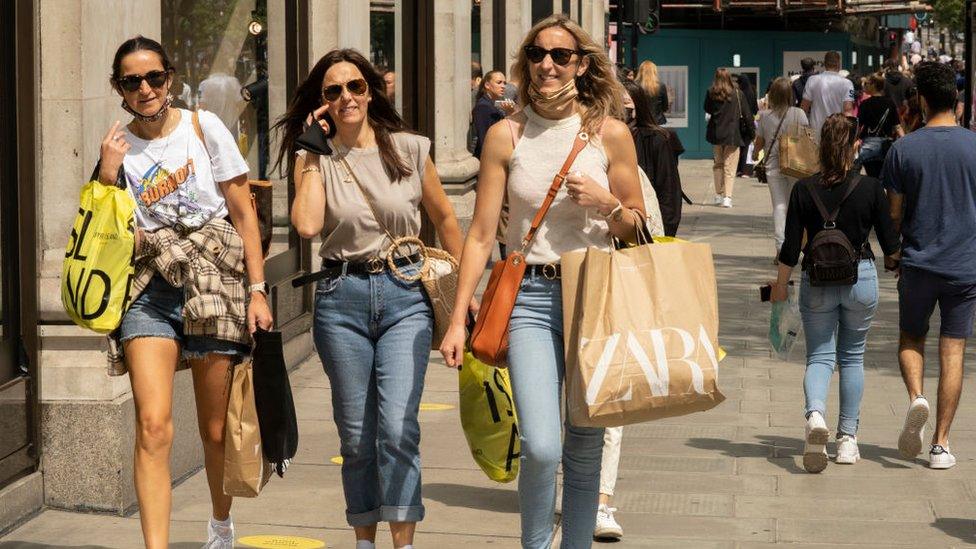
x: 537, y: 370
x: 836, y: 320
x: 373, y: 334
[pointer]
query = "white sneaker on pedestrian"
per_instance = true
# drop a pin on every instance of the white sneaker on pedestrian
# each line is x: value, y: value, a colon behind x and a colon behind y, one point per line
x: 606, y: 525
x: 727, y: 202
x: 847, y: 452
x: 717, y: 200
x: 910, y: 440
x: 220, y: 534
x: 815, y: 446
x: 940, y: 457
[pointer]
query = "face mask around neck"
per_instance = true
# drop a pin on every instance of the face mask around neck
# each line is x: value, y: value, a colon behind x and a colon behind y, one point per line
x: 555, y: 100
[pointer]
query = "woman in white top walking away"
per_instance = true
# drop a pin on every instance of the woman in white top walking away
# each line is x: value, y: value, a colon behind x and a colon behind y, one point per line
x: 568, y: 87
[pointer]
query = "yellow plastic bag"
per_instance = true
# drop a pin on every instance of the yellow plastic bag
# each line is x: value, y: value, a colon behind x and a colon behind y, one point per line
x: 488, y: 418
x: 99, y: 261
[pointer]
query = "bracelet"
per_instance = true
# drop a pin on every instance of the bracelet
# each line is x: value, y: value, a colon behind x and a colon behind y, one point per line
x: 619, y: 207
x: 311, y: 169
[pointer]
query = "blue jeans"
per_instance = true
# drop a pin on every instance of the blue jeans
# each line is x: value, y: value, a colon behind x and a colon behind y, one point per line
x: 373, y: 334
x: 537, y: 368
x: 836, y: 321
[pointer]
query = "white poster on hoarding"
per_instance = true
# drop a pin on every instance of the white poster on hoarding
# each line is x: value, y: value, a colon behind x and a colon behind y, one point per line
x: 791, y: 61
x: 676, y: 80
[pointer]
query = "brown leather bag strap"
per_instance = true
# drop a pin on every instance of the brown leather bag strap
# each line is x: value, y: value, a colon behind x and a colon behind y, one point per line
x: 578, y: 144
x: 199, y: 130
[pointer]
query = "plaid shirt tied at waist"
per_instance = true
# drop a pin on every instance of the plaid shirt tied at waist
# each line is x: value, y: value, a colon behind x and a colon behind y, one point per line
x: 208, y: 264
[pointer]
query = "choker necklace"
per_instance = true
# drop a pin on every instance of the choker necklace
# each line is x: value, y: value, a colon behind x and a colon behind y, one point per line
x: 153, y: 117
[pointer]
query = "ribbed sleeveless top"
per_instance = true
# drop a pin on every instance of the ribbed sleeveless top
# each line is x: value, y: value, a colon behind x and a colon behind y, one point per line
x: 537, y: 157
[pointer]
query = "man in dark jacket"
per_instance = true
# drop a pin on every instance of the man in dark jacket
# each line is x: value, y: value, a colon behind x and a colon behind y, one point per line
x: 896, y: 83
x: 809, y: 67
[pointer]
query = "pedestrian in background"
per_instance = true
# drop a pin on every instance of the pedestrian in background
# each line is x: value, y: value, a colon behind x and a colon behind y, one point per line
x: 897, y: 85
x: 809, y: 68
x: 836, y: 318
x: 371, y: 328
x: 656, y: 90
x: 827, y: 93
x: 878, y: 126
x: 930, y: 175
x: 490, y: 107
x: 749, y: 91
x: 725, y: 105
x: 568, y: 86
x: 780, y: 120
x: 207, y: 176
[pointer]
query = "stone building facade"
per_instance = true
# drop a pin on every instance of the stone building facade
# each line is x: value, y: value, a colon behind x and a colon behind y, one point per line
x: 67, y: 428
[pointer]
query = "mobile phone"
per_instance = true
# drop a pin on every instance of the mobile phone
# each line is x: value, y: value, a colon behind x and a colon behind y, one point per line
x: 765, y: 292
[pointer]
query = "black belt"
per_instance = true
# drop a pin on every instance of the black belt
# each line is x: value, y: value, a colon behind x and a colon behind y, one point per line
x: 549, y: 271
x: 333, y: 268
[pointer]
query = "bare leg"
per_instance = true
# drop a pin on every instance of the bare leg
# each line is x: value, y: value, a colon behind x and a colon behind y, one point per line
x: 210, y: 378
x: 152, y: 365
x: 911, y: 358
x: 951, y: 352
x: 365, y: 532
x: 402, y: 533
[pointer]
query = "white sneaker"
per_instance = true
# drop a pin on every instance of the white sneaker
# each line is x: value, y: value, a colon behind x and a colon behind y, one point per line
x: 727, y: 202
x: 717, y: 200
x: 910, y: 440
x: 220, y: 536
x: 847, y: 452
x: 606, y: 525
x: 940, y: 457
x: 815, y: 447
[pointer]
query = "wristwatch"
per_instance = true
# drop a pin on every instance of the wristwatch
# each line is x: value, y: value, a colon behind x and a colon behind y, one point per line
x: 260, y: 287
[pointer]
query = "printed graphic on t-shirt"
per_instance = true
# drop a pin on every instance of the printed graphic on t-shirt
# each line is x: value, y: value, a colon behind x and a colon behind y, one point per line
x: 170, y: 197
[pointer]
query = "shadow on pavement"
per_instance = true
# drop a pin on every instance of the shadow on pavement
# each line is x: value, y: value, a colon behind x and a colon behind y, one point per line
x: 780, y: 451
x: 28, y: 545
x: 958, y: 528
x: 502, y: 500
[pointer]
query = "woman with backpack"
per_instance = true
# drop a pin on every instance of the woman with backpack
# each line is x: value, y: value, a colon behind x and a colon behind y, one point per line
x: 729, y: 114
x: 837, y: 209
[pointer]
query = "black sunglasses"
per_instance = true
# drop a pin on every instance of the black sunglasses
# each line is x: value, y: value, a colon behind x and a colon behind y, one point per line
x: 560, y: 56
x: 355, y: 87
x: 131, y: 83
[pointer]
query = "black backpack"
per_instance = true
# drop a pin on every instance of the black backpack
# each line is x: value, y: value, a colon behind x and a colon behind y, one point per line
x: 831, y: 259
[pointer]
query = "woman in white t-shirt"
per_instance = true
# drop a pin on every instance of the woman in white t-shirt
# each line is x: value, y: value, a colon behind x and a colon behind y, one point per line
x: 178, y: 184
x: 768, y: 135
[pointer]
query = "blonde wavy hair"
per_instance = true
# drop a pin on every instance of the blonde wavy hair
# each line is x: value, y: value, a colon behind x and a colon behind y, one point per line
x: 648, y: 79
x: 600, y: 93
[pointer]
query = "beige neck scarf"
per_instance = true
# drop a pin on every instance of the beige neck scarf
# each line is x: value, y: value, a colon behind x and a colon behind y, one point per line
x: 556, y: 100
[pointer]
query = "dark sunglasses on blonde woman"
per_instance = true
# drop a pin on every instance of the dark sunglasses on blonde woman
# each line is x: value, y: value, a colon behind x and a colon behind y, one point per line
x: 560, y: 56
x: 131, y: 83
x: 355, y: 87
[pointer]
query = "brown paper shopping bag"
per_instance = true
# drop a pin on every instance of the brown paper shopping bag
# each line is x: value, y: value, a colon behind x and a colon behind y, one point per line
x: 641, y: 333
x: 799, y: 154
x: 246, y: 471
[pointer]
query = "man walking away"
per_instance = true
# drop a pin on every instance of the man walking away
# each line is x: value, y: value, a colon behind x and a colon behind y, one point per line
x: 931, y: 177
x: 827, y: 93
x: 896, y: 84
x: 809, y: 67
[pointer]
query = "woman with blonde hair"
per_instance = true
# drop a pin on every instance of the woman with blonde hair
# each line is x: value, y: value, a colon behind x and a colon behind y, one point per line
x: 568, y: 89
x: 648, y: 79
x: 782, y: 118
x: 726, y: 105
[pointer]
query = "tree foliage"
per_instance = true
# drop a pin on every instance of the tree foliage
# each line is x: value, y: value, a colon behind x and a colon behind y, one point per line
x: 950, y: 14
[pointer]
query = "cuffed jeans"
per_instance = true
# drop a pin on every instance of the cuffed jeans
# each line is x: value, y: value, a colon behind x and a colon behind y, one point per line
x: 780, y: 187
x: 373, y: 334
x: 537, y: 369
x: 836, y: 320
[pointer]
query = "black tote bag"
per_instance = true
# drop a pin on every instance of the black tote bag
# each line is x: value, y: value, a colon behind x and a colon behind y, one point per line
x: 273, y: 400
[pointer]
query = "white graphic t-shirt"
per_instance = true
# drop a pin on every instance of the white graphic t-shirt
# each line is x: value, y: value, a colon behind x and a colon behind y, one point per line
x: 174, y: 180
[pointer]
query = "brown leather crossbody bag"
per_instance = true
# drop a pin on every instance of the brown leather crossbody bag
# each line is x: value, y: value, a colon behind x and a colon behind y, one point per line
x: 489, y: 339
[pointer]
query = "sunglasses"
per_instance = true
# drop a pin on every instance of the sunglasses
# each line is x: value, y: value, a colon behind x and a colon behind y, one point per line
x: 131, y: 83
x: 355, y: 87
x: 560, y: 56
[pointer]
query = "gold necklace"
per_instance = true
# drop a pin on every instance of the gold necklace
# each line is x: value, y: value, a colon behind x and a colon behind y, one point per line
x: 346, y: 167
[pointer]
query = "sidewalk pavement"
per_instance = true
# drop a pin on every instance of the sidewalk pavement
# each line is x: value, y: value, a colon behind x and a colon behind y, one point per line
x: 731, y: 477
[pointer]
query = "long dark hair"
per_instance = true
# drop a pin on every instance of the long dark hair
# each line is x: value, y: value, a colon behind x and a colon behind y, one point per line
x: 836, y: 149
x: 643, y: 110
x: 132, y: 45
x: 381, y: 115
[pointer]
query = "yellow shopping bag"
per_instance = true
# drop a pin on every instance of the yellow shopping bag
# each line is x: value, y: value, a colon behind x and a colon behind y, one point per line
x: 488, y: 418
x: 99, y: 261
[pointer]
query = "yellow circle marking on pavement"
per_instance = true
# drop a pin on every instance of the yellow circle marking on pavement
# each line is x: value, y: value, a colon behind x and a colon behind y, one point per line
x: 281, y: 542
x: 337, y: 460
x: 434, y: 407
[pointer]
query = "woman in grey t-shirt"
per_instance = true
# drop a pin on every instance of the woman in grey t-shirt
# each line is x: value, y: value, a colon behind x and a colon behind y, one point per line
x: 372, y: 329
x: 781, y: 119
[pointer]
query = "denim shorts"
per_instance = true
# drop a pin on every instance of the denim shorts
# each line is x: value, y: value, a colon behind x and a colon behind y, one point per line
x: 158, y: 312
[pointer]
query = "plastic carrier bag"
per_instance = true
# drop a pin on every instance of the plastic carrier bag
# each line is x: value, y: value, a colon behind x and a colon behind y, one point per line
x: 784, y: 325
x: 488, y: 418
x: 99, y: 261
